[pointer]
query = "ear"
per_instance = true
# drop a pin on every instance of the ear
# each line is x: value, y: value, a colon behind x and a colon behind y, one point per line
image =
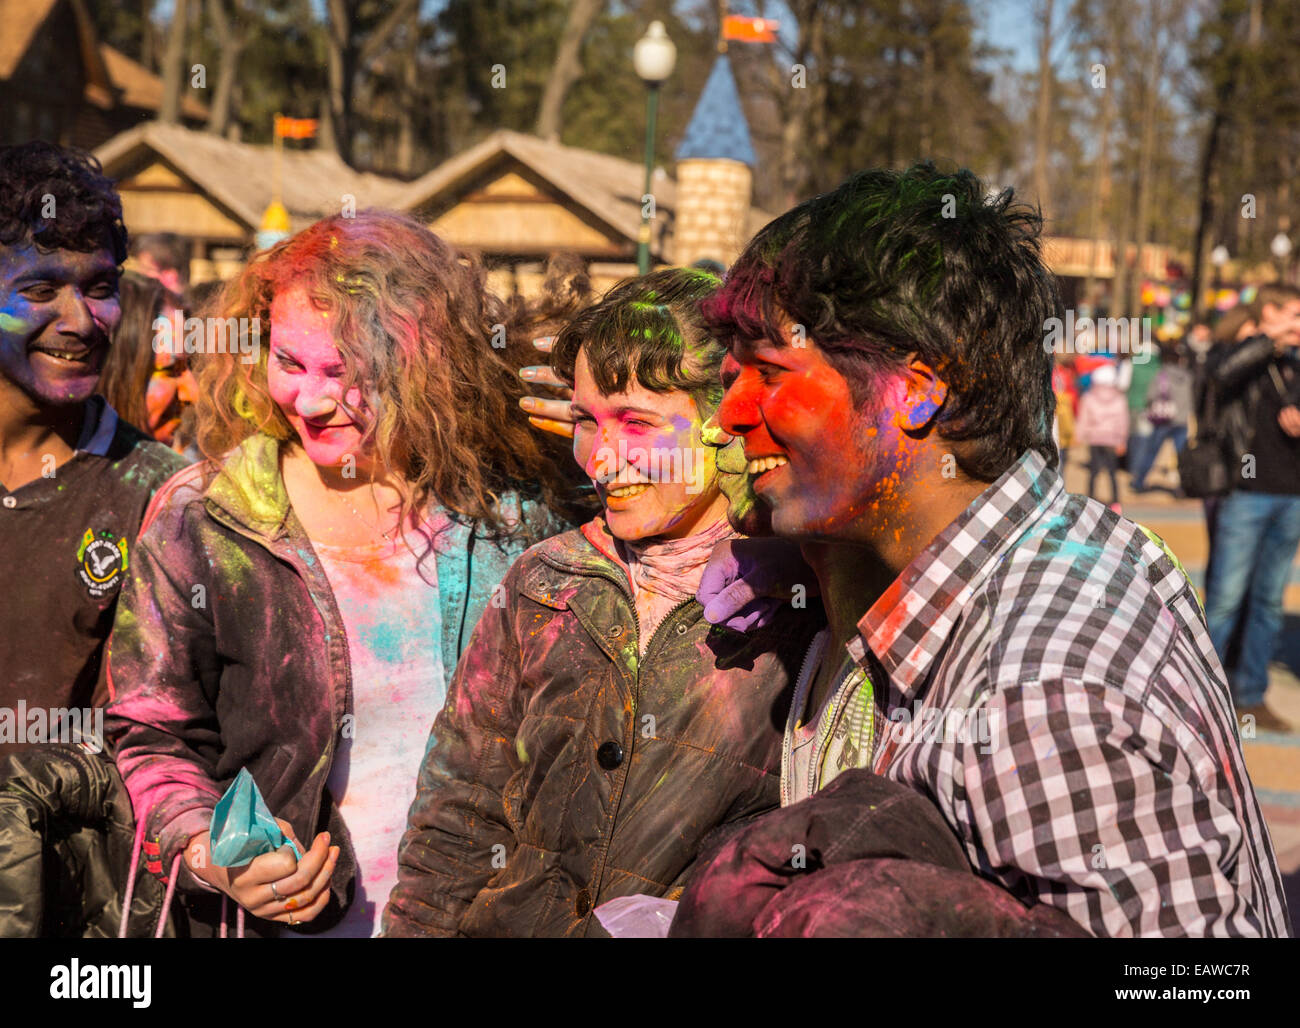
x: 924, y: 397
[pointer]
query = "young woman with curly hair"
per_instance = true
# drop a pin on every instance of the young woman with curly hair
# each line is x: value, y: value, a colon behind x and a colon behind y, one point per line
x: 298, y: 601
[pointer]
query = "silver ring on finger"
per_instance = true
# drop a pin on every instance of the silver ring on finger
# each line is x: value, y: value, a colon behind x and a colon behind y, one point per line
x: 276, y: 893
x: 292, y: 922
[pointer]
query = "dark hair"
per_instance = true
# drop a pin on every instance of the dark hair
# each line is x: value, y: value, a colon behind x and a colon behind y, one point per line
x: 1276, y: 294
x: 919, y: 261
x: 1232, y: 321
x: 198, y: 295
x: 648, y: 330
x: 85, y: 215
x: 168, y: 250
x: 124, y: 381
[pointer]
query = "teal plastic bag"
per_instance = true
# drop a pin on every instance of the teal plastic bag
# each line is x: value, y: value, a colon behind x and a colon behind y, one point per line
x: 242, y: 825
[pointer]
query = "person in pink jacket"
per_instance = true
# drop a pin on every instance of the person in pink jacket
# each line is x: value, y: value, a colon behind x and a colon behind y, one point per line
x: 1103, y: 428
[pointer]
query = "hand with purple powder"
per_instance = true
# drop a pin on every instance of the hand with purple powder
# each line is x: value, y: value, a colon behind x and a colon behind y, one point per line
x: 748, y: 580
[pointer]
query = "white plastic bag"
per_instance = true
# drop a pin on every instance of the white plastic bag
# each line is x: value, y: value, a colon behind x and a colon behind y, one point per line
x: 637, y: 917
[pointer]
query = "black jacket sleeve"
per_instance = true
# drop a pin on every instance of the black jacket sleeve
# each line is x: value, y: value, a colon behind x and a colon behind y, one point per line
x: 1239, y: 366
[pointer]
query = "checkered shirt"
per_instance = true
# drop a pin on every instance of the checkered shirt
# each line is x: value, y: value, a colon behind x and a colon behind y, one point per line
x: 1069, y: 717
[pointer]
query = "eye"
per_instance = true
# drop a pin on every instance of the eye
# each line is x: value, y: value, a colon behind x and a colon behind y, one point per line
x: 40, y: 293
x: 102, y: 290
x: 287, y: 362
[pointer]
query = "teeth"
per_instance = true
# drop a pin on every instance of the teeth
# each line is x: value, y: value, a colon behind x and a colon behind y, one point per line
x: 761, y: 464
x: 619, y: 492
x: 66, y: 355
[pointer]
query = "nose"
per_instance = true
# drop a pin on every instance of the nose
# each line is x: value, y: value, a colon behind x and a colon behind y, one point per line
x: 738, y: 412
x: 313, y: 404
x: 712, y: 434
x: 75, y: 316
x: 602, y: 463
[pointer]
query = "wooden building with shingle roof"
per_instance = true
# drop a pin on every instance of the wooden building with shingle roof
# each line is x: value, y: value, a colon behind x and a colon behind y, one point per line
x: 59, y: 83
x: 515, y: 198
x: 214, y: 191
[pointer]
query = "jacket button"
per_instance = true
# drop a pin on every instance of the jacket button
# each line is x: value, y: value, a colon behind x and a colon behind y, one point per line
x: 616, y: 631
x: 610, y: 755
x: 681, y: 629
x: 582, y: 905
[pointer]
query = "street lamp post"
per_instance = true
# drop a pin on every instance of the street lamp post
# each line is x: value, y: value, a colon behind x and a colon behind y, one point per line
x: 1281, y: 250
x: 653, y: 57
x: 1218, y: 257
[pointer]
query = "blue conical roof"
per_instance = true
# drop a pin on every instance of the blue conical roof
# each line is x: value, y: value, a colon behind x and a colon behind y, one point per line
x: 718, y: 128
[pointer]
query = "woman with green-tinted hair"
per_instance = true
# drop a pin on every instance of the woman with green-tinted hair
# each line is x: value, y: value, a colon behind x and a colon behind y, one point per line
x: 597, y: 727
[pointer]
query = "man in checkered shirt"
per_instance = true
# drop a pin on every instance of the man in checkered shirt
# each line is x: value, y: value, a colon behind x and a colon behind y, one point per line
x: 889, y: 369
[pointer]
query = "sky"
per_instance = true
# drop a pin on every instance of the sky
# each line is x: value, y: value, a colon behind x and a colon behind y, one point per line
x: 1005, y: 23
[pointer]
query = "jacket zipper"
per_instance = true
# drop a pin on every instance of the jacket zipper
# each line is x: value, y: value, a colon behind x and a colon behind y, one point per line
x: 800, y: 699
x: 836, y: 710
x: 230, y: 522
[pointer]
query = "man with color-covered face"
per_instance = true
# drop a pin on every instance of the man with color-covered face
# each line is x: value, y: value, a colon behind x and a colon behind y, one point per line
x: 1030, y: 661
x: 74, y: 479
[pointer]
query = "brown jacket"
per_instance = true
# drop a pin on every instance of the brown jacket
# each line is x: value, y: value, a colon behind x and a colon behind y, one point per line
x: 565, y: 771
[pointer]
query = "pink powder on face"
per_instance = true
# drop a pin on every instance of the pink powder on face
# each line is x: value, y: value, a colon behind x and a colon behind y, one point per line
x: 304, y: 377
x: 640, y: 438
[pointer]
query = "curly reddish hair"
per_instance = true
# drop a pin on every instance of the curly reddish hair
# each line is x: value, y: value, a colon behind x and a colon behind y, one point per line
x: 421, y: 337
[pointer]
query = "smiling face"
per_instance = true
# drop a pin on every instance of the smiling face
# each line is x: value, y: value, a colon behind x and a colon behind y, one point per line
x: 645, y: 453
x: 744, y: 511
x: 58, y: 311
x: 822, y: 465
x: 304, y: 374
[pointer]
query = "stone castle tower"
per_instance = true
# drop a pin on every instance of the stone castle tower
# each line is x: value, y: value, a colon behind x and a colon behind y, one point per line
x: 715, y: 163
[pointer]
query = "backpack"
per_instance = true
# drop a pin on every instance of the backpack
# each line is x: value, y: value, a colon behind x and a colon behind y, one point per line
x: 1160, y: 400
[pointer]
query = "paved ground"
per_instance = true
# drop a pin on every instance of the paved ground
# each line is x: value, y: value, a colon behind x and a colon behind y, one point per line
x: 1273, y: 759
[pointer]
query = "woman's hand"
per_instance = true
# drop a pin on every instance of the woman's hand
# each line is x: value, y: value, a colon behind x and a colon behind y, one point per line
x: 301, y: 887
x: 555, y: 416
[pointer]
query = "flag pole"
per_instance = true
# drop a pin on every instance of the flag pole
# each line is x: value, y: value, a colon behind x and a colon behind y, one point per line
x: 277, y: 163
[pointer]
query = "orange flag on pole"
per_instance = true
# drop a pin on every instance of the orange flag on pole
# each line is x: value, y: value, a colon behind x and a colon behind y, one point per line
x: 295, y: 128
x: 749, y: 30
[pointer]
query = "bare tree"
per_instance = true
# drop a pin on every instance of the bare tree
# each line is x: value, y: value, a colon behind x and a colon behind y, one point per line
x: 1042, y: 120
x: 230, y: 29
x: 797, y: 86
x: 348, y: 54
x: 1101, y: 184
x: 341, y: 62
x: 169, y: 110
x: 567, y: 68
x: 407, y: 102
